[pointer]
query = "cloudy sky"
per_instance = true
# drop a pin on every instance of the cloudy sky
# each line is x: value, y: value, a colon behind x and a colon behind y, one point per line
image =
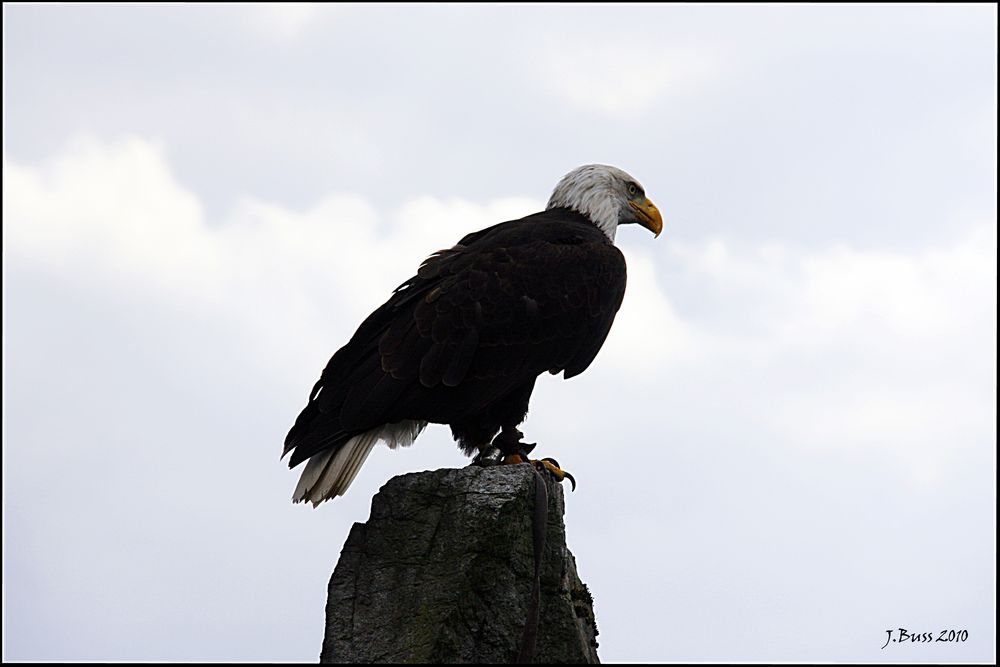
x: 786, y: 447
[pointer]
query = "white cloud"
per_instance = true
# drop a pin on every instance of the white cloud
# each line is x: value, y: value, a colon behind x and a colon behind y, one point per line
x: 648, y: 336
x: 857, y: 351
x: 113, y: 210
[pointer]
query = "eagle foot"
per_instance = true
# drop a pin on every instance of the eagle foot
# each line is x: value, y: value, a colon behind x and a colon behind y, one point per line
x: 552, y: 466
x: 543, y: 465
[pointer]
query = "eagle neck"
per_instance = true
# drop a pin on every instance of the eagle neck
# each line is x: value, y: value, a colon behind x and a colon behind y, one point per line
x: 605, y: 221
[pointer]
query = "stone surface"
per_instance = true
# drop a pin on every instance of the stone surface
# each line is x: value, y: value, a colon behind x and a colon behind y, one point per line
x: 442, y: 572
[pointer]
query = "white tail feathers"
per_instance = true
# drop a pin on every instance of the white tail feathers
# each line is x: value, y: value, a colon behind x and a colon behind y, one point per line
x: 329, y: 473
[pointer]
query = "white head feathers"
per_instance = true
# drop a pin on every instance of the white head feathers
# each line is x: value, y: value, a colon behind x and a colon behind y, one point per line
x: 598, y: 191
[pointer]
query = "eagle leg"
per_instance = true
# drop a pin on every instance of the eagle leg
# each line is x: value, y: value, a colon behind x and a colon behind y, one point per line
x: 488, y: 456
x: 508, y: 441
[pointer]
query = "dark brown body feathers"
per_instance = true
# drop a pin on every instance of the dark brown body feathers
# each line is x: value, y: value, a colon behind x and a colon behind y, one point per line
x: 462, y: 342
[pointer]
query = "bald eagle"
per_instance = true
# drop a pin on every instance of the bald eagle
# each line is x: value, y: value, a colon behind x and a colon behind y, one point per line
x: 462, y: 342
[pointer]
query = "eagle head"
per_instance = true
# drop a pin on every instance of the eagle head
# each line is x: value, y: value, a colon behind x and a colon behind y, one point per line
x: 608, y: 197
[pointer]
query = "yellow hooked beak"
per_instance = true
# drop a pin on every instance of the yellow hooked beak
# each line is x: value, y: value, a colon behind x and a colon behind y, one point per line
x: 649, y: 215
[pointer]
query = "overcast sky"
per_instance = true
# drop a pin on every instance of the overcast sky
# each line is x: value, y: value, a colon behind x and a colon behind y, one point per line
x: 786, y: 447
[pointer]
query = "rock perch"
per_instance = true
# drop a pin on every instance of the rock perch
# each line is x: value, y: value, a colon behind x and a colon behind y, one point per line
x: 442, y: 572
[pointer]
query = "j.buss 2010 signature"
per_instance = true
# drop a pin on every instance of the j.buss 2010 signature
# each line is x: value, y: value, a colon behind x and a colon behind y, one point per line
x: 925, y: 637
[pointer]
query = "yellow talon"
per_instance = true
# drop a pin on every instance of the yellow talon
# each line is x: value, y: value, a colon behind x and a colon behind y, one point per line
x: 553, y: 467
x: 555, y: 470
x: 542, y: 464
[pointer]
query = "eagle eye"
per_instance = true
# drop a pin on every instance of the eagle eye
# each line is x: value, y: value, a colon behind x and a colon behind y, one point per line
x: 632, y: 189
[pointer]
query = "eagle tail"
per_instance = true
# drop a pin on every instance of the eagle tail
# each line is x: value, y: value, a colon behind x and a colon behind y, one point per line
x: 329, y: 473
